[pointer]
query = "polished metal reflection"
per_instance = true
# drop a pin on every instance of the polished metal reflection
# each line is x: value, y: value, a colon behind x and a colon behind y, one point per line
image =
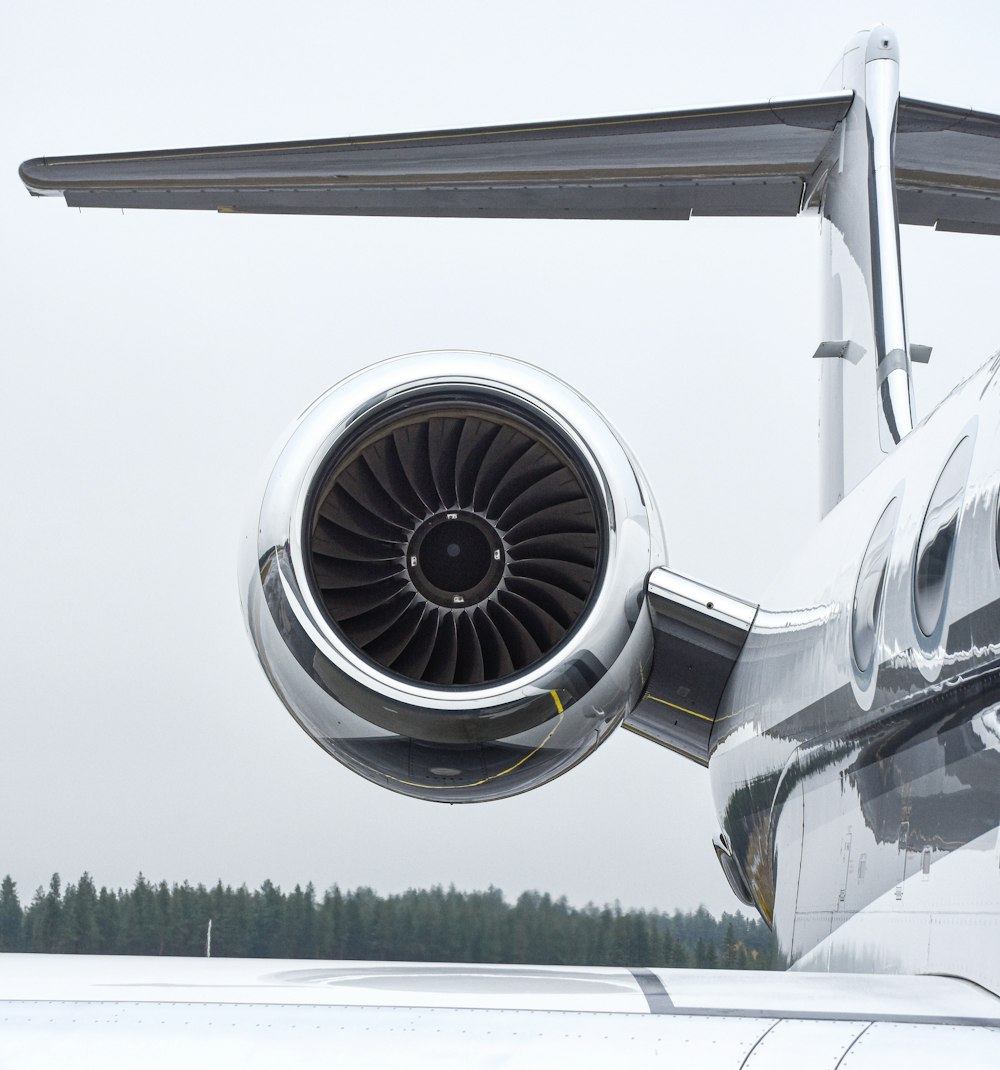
x: 996, y: 530
x: 453, y: 743
x: 731, y: 869
x: 698, y: 634
x: 937, y: 540
x: 863, y: 299
x: 870, y: 589
x: 892, y: 351
x: 864, y: 813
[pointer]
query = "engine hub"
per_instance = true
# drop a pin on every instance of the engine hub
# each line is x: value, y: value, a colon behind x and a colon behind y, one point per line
x: 455, y: 559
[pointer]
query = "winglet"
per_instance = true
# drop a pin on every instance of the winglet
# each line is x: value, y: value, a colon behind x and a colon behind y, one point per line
x: 32, y: 174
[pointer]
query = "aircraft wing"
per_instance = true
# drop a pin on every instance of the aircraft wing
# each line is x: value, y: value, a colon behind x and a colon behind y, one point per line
x: 740, y: 159
x: 750, y: 159
x: 107, y: 1012
x: 948, y: 167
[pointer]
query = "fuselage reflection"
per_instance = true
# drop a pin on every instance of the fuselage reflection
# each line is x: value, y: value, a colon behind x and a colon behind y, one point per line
x: 858, y: 798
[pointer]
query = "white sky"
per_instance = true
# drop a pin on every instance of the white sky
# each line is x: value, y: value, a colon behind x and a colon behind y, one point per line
x: 150, y: 360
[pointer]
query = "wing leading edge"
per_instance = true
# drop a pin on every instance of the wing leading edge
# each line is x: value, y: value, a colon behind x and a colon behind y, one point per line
x: 742, y: 159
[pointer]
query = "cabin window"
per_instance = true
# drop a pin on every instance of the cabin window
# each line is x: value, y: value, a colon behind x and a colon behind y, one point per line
x: 870, y: 589
x: 935, y: 548
x: 998, y: 530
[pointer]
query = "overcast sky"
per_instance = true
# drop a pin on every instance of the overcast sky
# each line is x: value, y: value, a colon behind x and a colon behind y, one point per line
x: 150, y: 360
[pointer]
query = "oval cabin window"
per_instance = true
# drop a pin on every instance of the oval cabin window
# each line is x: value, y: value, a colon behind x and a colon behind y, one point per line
x: 870, y: 588
x: 998, y: 531
x: 935, y: 548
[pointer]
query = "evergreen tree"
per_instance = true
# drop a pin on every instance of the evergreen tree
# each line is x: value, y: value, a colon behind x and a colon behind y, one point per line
x: 430, y: 924
x: 239, y: 922
x: 328, y: 924
x: 268, y: 908
x: 108, y: 917
x: 80, y: 909
x: 185, y: 931
x: 681, y: 958
x: 224, y: 940
x: 140, y: 928
x: 294, y: 941
x: 729, y: 948
x: 11, y: 917
x: 164, y: 911
x: 47, y: 920
x: 490, y: 936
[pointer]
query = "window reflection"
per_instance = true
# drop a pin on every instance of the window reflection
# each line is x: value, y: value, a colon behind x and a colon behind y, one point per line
x: 871, y: 587
x: 998, y: 531
x: 937, y: 539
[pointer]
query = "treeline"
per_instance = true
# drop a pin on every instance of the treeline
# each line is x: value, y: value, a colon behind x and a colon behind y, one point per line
x: 441, y: 925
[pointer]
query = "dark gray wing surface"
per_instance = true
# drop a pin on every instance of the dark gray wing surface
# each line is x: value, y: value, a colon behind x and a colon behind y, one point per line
x: 948, y: 167
x: 744, y: 159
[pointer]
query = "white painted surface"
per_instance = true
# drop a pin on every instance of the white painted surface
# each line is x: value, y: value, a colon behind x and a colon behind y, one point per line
x: 93, y: 1012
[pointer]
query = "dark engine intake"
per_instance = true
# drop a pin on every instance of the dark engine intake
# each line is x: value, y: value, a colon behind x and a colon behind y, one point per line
x: 454, y: 543
x: 446, y: 582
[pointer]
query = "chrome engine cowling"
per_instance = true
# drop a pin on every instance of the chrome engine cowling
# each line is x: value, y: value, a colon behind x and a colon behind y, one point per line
x: 446, y: 581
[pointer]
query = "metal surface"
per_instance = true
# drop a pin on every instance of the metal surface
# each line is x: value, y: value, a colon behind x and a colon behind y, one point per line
x: 759, y: 158
x: 612, y: 990
x: 698, y: 633
x: 731, y: 869
x: 864, y: 809
x: 948, y: 167
x: 107, y: 1012
x: 842, y: 349
x: 452, y: 743
x: 862, y: 280
x: 891, y: 349
x: 746, y: 158
x: 852, y: 752
x: 851, y: 726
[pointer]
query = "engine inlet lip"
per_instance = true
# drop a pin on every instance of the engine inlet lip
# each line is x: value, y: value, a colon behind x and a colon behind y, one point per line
x: 524, y: 410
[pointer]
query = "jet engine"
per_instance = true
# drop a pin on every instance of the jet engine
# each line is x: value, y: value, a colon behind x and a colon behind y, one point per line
x: 445, y: 583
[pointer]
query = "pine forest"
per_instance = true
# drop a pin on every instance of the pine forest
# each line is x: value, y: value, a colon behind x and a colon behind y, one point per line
x: 436, y: 924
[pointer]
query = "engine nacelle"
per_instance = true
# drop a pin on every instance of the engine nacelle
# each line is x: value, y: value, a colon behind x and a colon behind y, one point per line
x: 446, y: 583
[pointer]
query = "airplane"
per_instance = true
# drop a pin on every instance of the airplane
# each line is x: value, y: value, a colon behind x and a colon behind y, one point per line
x: 456, y: 584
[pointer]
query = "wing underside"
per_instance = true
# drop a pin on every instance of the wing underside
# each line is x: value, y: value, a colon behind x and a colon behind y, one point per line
x: 743, y: 159
x: 752, y: 159
x: 948, y: 167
